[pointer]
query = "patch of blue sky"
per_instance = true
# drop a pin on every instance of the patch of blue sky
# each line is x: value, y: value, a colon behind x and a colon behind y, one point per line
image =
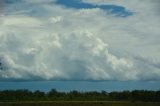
x: 36, y: 10
x: 80, y: 85
x: 78, y: 4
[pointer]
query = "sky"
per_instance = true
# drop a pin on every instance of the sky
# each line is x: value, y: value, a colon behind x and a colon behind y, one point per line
x: 80, y: 40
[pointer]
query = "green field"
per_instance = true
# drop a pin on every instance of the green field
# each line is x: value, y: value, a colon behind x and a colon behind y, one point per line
x: 79, y: 103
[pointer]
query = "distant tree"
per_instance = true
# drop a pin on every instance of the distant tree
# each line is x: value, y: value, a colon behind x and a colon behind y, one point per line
x: 104, y: 93
x: 39, y: 95
x: 25, y: 95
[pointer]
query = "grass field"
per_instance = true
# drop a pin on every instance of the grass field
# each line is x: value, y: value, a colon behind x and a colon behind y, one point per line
x: 78, y: 103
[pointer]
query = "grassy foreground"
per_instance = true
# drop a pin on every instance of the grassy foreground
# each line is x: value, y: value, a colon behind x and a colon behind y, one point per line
x: 79, y: 103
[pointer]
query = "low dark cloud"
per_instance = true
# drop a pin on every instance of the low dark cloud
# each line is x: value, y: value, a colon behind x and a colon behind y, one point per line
x: 154, y: 63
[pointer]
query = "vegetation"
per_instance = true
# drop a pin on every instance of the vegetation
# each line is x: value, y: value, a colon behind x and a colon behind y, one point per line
x: 79, y: 103
x: 54, y: 95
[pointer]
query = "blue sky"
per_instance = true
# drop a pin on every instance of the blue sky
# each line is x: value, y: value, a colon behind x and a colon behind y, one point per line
x: 81, y: 85
x: 80, y: 40
x: 78, y: 4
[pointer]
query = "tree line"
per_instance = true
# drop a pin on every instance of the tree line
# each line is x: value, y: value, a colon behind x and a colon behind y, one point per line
x: 54, y: 95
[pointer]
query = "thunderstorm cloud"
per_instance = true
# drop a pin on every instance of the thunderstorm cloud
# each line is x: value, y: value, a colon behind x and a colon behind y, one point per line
x: 79, y: 40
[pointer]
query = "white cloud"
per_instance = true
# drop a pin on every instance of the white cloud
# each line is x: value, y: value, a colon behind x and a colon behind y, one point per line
x: 56, y: 19
x: 21, y: 21
x: 85, y: 44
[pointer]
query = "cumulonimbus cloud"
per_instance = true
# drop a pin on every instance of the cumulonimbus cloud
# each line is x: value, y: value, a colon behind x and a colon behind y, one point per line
x: 77, y: 55
x: 87, y: 44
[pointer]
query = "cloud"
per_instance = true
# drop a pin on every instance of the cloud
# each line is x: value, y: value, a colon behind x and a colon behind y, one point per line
x: 51, y: 42
x: 61, y: 56
x: 109, y: 9
x: 23, y: 21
